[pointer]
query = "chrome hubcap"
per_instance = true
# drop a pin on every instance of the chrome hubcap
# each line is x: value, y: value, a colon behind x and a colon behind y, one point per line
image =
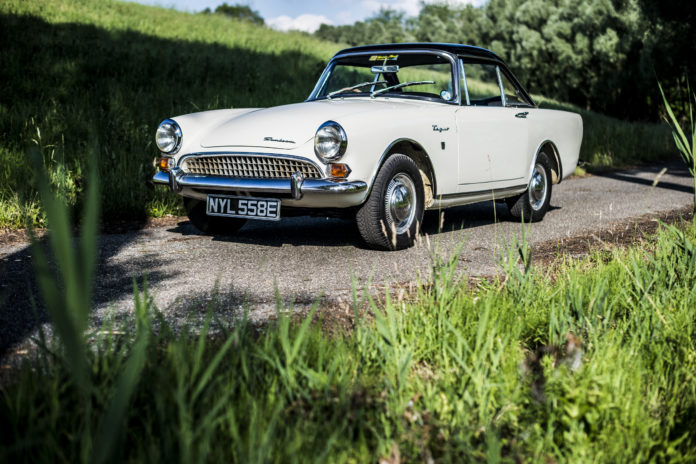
x: 400, y: 203
x: 537, y: 187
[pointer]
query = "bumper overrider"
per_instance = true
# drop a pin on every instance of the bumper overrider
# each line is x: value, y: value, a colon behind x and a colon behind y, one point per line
x: 296, y: 191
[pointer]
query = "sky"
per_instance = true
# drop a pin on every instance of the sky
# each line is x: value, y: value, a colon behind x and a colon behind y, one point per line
x: 306, y: 15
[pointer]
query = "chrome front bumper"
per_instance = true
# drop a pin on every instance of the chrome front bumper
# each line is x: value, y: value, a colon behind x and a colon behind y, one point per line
x: 301, y: 191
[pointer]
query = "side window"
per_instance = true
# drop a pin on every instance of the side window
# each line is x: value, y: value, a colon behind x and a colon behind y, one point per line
x: 513, y: 96
x: 482, y: 84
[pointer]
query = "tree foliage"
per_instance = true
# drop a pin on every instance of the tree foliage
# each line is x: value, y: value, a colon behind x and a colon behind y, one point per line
x: 241, y: 12
x: 604, y: 55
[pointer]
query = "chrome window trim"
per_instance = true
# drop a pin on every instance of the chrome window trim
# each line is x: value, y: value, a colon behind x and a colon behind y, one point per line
x: 322, y: 80
x: 450, y: 57
x: 249, y: 153
x: 466, y: 85
x: 528, y: 102
x: 505, y: 71
x: 503, y: 100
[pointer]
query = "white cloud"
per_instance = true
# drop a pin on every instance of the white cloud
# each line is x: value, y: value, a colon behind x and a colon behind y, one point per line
x: 304, y: 22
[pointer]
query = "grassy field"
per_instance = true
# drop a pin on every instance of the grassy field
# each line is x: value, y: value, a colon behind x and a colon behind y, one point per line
x: 594, y: 362
x: 83, y: 77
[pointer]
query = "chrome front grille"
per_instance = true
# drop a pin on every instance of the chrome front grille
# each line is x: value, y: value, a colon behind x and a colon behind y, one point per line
x: 249, y: 166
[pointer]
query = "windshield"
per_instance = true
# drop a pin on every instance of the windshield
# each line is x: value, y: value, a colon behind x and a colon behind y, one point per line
x: 405, y: 75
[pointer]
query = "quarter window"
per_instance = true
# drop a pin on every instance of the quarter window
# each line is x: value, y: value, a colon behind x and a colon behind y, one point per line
x: 513, y: 96
x: 482, y: 84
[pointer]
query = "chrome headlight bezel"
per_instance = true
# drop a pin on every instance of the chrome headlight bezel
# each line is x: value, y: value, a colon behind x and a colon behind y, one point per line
x: 168, y: 129
x: 330, y: 131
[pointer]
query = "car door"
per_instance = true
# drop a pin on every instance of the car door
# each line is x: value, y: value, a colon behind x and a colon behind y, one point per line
x: 492, y: 137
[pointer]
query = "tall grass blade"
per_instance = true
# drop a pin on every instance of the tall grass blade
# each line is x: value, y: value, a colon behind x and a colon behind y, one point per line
x: 67, y: 293
x: 112, y: 422
x: 685, y: 145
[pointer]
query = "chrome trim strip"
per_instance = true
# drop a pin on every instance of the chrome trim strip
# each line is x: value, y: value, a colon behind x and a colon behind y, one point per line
x: 248, y: 153
x: 160, y: 178
x: 500, y: 85
x: 178, y: 181
x: 320, y: 83
x: 466, y: 85
x: 451, y: 57
x: 459, y: 199
x: 501, y: 191
x: 489, y: 182
x: 296, y: 182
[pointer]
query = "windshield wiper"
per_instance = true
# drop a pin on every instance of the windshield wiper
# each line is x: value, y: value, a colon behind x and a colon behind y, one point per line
x: 356, y: 86
x: 398, y: 86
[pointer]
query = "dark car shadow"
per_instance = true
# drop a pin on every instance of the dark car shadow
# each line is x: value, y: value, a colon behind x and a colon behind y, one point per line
x: 468, y: 216
x: 330, y: 232
x: 294, y: 231
x: 673, y: 168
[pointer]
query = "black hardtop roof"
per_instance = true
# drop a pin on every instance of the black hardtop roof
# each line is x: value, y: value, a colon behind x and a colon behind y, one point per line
x: 456, y: 49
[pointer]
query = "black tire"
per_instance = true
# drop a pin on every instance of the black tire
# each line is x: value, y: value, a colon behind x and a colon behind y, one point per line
x: 213, y: 225
x: 531, y: 206
x: 395, y: 227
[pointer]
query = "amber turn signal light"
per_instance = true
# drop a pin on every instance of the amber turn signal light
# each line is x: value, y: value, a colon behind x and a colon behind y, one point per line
x: 163, y: 163
x: 339, y: 170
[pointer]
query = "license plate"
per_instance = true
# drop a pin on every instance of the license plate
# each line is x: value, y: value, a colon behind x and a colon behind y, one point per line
x: 243, y: 207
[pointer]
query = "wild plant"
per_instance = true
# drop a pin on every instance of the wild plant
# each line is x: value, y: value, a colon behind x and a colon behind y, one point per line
x: 684, y: 137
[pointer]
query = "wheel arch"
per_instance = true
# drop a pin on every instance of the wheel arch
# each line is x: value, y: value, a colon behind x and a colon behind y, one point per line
x: 417, y: 153
x: 550, y: 148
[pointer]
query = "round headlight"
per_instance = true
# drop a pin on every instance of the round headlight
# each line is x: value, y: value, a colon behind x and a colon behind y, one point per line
x: 168, y: 136
x: 330, y: 142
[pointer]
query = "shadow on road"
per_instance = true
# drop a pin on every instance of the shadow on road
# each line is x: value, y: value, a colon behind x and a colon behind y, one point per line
x: 21, y: 308
x: 673, y: 169
x: 329, y: 232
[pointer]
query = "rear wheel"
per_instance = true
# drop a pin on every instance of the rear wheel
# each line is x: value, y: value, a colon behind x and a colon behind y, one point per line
x: 534, y: 202
x: 195, y: 210
x: 392, y: 215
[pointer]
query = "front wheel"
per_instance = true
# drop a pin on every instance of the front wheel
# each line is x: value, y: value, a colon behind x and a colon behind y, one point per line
x: 392, y: 215
x: 534, y: 202
x: 195, y: 210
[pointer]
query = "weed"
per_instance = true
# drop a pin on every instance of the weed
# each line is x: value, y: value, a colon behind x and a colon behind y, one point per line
x: 685, y: 141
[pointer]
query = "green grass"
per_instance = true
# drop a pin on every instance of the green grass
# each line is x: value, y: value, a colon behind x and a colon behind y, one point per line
x: 610, y: 143
x: 594, y: 363
x: 79, y: 74
x: 86, y: 76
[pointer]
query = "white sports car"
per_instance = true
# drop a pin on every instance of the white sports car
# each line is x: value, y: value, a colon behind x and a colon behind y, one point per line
x: 388, y: 132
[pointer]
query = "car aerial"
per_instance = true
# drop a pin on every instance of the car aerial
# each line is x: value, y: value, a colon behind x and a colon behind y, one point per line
x: 388, y: 132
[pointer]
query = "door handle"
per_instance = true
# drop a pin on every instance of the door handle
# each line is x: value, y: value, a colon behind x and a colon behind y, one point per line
x: 522, y: 115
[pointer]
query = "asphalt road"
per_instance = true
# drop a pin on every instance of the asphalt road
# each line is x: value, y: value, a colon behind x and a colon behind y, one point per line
x: 305, y: 258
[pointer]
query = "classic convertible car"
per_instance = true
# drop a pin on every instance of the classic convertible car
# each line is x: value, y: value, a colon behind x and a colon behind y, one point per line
x: 388, y: 132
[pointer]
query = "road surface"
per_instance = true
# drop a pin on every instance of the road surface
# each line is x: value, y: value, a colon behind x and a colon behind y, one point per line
x: 304, y: 258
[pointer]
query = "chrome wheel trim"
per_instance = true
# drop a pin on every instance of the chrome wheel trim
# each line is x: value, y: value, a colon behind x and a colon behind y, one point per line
x: 538, y: 187
x: 400, y: 203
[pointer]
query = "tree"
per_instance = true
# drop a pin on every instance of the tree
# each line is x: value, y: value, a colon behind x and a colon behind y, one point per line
x: 241, y: 12
x: 604, y: 55
x: 387, y: 26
